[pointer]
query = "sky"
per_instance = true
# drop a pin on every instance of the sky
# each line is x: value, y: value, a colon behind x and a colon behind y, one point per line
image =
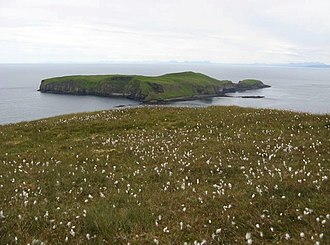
x: 221, y: 31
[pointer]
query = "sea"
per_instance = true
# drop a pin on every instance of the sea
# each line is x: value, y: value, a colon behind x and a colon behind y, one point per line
x: 300, y: 89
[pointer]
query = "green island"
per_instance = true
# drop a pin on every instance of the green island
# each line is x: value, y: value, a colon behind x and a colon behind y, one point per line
x: 148, y: 89
x: 162, y: 175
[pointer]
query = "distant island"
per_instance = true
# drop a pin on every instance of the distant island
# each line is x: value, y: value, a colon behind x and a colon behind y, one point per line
x: 297, y: 65
x: 148, y: 89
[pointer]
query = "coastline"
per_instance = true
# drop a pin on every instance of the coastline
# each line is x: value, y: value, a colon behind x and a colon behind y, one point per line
x: 170, y: 87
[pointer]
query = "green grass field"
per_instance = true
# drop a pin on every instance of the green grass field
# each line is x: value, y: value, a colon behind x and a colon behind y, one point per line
x: 249, y: 82
x: 158, y: 175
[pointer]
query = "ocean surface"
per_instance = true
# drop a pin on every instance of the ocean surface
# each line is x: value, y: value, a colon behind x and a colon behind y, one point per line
x: 293, y: 88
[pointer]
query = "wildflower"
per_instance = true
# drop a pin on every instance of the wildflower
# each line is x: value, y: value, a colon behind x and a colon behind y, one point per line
x: 36, y: 241
x: 248, y: 235
x: 25, y: 194
x: 72, y: 233
x: 156, y: 241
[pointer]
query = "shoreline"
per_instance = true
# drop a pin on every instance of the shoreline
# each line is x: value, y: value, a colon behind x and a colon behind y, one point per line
x: 163, y: 101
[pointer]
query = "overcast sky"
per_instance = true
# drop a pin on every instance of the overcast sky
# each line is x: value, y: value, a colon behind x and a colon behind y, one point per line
x: 225, y: 31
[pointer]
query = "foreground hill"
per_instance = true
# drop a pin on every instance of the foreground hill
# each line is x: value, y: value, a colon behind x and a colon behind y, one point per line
x: 168, y: 87
x: 218, y: 175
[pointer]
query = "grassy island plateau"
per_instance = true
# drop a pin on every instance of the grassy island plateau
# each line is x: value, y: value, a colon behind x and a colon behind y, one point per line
x: 162, y: 175
x: 148, y: 89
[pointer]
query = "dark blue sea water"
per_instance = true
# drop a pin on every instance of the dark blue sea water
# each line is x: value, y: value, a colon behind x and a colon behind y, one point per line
x: 297, y: 89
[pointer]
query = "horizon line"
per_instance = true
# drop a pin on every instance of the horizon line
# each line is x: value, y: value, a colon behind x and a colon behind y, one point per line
x: 202, y: 62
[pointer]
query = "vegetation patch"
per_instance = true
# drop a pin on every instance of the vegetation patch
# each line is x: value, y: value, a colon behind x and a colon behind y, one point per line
x: 161, y: 175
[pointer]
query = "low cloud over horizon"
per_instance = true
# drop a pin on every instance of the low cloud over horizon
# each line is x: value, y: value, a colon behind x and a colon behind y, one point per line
x: 224, y: 31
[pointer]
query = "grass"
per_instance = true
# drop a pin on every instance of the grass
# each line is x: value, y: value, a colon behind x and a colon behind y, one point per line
x: 167, y: 175
x: 250, y: 82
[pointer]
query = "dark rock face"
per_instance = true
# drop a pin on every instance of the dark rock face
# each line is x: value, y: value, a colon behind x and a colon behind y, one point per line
x: 67, y: 87
x: 74, y: 87
x: 133, y: 91
x: 157, y: 88
x: 107, y: 89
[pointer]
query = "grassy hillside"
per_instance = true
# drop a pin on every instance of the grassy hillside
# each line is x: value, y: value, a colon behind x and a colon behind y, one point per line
x: 144, y: 88
x: 221, y: 175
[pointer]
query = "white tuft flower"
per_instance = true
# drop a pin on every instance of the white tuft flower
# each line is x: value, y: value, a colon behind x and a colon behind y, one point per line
x: 302, y: 234
x: 2, y: 216
x: 25, y: 194
x: 72, y: 233
x: 248, y: 235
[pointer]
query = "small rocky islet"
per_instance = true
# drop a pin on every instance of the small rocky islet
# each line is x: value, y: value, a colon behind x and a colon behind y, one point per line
x: 148, y: 89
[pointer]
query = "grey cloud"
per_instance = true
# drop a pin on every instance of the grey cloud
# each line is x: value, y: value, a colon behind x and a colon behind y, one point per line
x: 217, y: 30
